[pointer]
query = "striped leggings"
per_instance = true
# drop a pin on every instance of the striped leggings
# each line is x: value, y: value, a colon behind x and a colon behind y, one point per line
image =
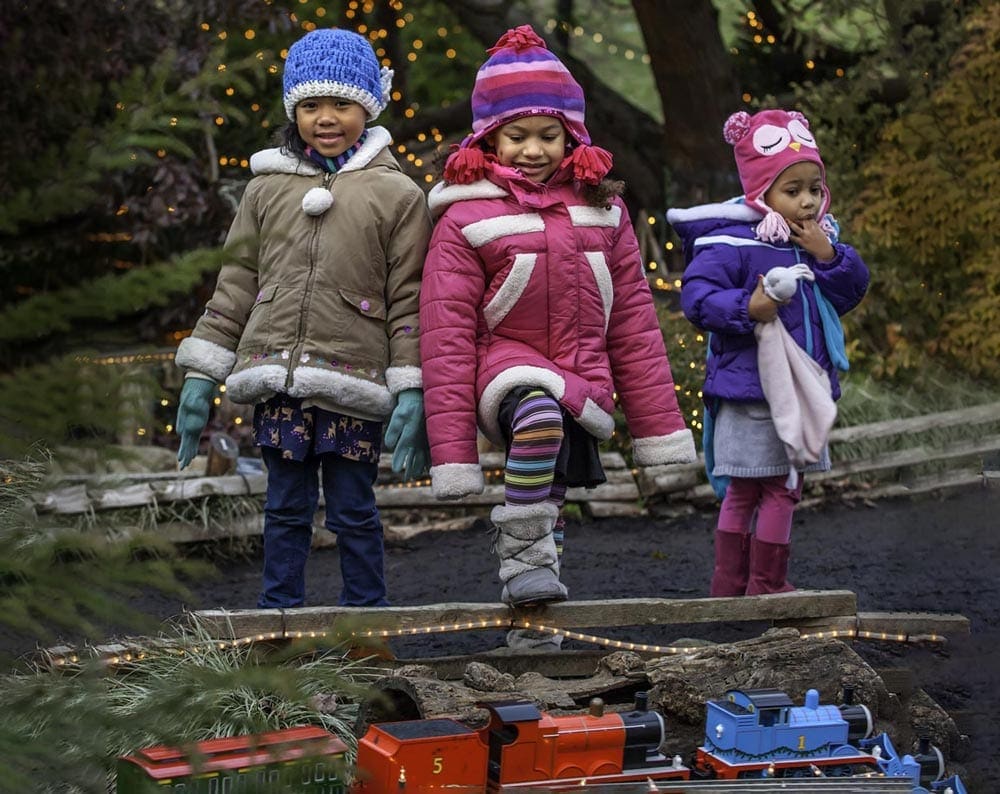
x: 536, y: 435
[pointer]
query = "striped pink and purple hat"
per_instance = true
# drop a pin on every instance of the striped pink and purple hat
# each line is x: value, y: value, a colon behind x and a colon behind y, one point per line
x: 523, y: 78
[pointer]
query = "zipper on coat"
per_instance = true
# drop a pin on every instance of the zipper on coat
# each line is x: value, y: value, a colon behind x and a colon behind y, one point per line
x: 307, y: 292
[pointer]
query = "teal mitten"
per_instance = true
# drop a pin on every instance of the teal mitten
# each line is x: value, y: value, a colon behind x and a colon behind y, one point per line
x: 192, y: 416
x: 407, y: 435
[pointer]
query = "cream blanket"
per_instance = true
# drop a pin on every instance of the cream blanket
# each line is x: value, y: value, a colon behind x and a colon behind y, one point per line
x: 797, y: 390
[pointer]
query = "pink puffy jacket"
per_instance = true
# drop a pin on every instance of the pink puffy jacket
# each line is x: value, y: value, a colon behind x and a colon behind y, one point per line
x: 524, y: 284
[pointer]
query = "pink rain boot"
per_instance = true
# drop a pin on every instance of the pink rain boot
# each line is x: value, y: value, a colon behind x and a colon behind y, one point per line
x: 768, y: 568
x: 732, y: 564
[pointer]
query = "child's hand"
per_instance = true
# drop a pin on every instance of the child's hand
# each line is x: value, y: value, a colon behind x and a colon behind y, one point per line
x: 761, y: 308
x: 810, y: 236
x: 407, y: 435
x: 193, y: 408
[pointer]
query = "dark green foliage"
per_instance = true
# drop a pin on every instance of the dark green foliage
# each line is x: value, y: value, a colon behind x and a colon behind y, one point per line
x: 105, y: 153
x: 930, y: 211
x: 66, y: 720
x: 908, y: 136
x: 115, y: 205
x: 63, y: 729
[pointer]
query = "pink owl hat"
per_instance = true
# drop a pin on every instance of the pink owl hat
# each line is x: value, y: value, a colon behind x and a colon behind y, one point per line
x: 765, y: 144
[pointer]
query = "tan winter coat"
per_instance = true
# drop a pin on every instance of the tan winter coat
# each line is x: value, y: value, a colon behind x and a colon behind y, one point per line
x: 319, y: 306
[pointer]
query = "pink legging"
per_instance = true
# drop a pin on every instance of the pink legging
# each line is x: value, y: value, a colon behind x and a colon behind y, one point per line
x: 768, y: 496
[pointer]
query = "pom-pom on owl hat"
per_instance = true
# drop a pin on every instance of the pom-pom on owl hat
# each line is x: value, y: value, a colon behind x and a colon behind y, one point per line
x: 765, y: 144
x: 523, y: 78
x: 335, y: 62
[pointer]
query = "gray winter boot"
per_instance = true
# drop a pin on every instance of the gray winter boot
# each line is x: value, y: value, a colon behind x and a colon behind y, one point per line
x: 529, y: 566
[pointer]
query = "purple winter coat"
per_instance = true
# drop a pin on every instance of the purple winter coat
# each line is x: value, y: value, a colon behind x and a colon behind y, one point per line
x: 724, y: 260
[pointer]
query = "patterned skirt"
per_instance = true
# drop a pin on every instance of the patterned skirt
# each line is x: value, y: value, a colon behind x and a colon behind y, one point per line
x: 282, y: 423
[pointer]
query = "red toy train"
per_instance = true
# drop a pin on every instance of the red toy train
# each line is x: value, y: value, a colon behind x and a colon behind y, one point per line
x: 520, y: 747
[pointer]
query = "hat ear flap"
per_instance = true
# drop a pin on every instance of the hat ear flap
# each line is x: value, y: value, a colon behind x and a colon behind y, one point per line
x: 736, y: 127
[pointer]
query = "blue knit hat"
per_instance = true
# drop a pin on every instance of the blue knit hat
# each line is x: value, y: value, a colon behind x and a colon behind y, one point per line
x: 335, y: 62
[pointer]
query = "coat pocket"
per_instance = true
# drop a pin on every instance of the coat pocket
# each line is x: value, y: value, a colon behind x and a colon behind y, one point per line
x: 256, y: 334
x: 366, y: 305
x: 349, y: 326
x: 364, y: 337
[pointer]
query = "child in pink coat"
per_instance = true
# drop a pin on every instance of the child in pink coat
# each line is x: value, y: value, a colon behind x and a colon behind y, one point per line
x: 536, y: 315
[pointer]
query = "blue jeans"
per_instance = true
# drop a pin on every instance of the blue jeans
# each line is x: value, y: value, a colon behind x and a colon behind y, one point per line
x: 289, y: 507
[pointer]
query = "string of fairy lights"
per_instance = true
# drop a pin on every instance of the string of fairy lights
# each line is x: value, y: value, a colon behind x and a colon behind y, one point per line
x: 70, y: 658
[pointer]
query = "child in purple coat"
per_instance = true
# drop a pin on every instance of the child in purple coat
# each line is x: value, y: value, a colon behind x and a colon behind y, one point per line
x: 781, y: 220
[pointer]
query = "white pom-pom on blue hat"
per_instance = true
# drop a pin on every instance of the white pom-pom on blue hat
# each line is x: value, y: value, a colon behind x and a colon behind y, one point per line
x: 335, y: 62
x: 316, y: 201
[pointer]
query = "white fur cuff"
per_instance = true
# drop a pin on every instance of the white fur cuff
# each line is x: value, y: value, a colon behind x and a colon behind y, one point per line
x: 527, y: 522
x: 455, y: 480
x: 204, y: 356
x: 677, y: 447
x: 399, y: 379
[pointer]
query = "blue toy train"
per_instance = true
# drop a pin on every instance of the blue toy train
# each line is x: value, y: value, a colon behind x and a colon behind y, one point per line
x: 761, y: 733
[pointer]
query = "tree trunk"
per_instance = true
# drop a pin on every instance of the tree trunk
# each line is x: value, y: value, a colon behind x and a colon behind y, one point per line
x: 698, y: 91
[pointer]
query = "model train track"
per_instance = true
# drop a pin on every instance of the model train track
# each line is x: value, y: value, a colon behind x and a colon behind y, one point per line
x: 858, y: 785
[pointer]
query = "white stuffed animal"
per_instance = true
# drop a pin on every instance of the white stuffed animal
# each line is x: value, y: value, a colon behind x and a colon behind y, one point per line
x: 780, y: 283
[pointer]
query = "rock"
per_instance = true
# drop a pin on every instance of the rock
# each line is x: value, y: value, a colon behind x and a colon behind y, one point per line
x: 484, y: 678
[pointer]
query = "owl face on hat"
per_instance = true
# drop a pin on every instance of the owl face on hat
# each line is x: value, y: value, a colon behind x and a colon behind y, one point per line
x: 767, y: 143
